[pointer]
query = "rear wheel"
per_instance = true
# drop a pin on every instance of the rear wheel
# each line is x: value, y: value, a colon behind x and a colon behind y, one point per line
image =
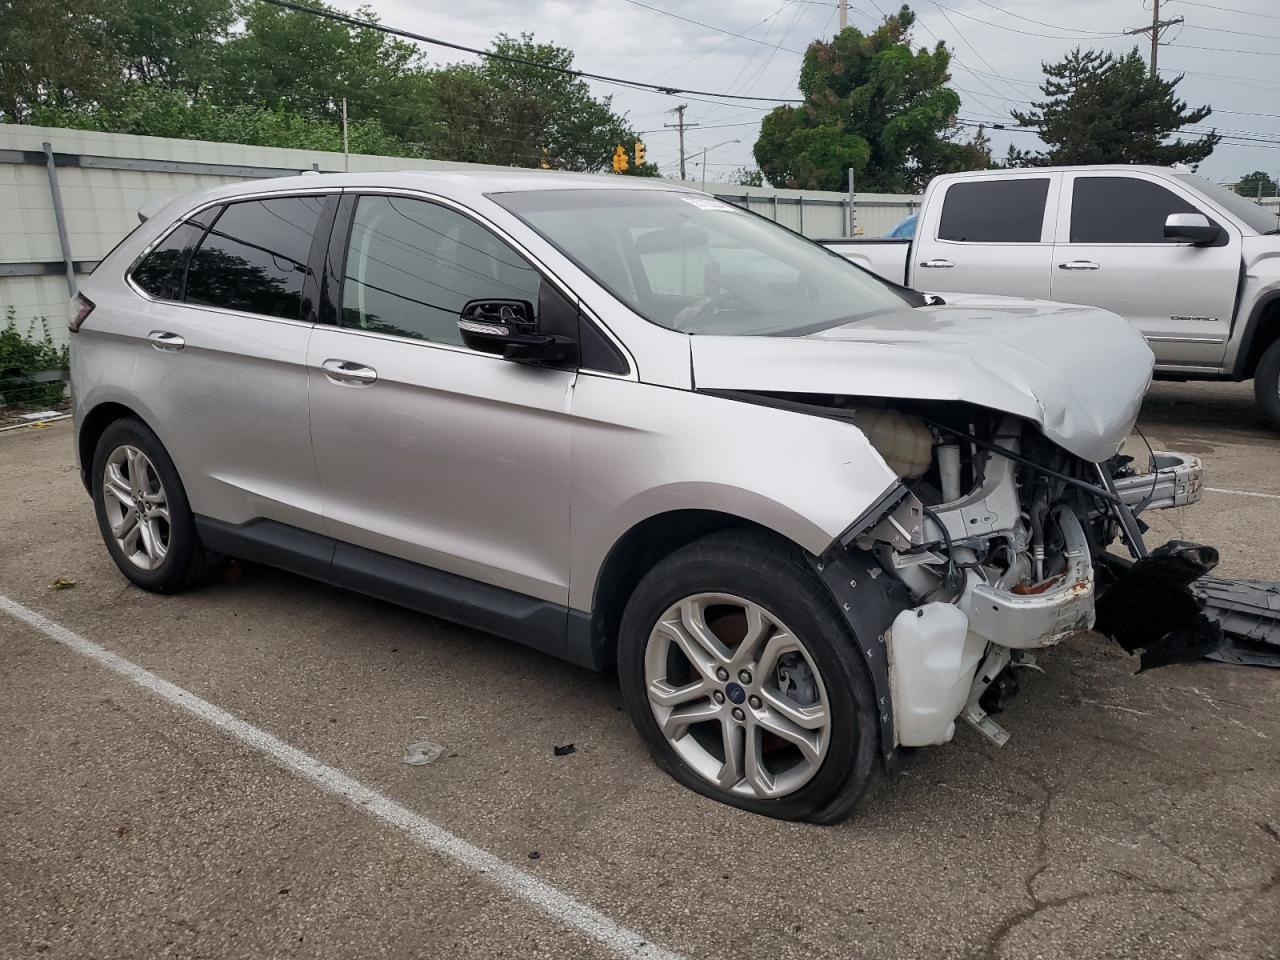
x: 1266, y: 385
x: 745, y: 682
x: 142, y: 510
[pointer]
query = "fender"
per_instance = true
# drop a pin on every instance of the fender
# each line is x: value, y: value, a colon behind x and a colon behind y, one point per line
x: 1251, y: 347
x: 658, y: 450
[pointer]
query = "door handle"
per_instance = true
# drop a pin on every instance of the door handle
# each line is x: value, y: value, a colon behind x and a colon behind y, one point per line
x: 347, y: 371
x: 1079, y: 265
x: 938, y: 264
x: 164, y: 340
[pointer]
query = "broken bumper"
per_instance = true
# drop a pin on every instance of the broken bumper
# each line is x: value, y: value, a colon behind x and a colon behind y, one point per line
x: 1176, y: 481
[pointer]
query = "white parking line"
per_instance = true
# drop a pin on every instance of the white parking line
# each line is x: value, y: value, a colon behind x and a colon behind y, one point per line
x: 1245, y: 493
x: 426, y: 833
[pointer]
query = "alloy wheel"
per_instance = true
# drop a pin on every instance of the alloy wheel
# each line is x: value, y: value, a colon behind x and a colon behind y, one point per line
x: 737, y: 695
x: 136, y: 506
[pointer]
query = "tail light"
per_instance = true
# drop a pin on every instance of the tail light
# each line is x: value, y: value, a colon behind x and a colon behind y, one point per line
x: 83, y: 307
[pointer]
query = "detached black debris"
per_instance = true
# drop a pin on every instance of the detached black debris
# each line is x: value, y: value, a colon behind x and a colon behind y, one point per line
x: 564, y: 751
x: 1150, y: 607
x: 1249, y: 613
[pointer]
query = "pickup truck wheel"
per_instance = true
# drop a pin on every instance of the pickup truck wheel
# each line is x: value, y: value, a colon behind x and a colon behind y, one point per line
x: 745, y: 682
x: 1266, y: 385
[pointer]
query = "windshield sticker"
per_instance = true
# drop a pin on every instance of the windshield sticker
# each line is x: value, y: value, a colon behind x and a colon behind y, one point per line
x: 706, y: 203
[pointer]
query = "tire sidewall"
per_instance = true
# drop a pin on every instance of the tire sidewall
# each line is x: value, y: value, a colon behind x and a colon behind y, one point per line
x: 1266, y: 385
x: 184, y: 544
x: 854, y: 733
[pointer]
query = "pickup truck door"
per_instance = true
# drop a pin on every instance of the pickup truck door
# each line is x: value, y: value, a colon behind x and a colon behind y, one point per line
x: 987, y: 234
x: 1111, y: 252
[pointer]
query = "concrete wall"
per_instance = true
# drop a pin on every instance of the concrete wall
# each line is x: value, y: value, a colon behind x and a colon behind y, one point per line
x: 104, y: 178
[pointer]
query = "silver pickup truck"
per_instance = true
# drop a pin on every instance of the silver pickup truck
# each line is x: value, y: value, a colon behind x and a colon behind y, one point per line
x: 1194, y: 267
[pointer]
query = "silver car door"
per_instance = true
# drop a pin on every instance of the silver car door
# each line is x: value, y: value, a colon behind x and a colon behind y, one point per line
x: 221, y: 357
x: 429, y: 451
x: 1112, y: 253
x: 988, y: 235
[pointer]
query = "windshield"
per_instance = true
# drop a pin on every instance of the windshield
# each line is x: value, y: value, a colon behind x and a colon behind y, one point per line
x: 1258, y: 218
x: 691, y: 263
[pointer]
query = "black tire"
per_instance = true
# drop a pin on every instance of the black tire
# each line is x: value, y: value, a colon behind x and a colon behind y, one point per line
x: 1266, y: 385
x: 186, y: 560
x: 774, y: 574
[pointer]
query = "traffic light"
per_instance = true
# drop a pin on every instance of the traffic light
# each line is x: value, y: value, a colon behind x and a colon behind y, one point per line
x: 544, y: 161
x: 639, y: 154
x: 620, y: 161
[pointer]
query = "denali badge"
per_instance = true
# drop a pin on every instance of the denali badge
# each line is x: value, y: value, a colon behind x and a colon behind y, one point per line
x: 1201, y: 319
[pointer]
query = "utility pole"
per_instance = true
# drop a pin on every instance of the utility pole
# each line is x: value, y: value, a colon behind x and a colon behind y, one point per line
x: 346, y: 147
x: 844, y: 13
x: 1157, y: 25
x: 680, y: 126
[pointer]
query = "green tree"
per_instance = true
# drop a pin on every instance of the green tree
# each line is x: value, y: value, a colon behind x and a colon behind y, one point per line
x: 56, y: 53
x: 747, y: 177
x: 517, y: 113
x: 1256, y: 184
x: 286, y: 60
x: 870, y: 104
x: 159, y: 112
x: 1100, y: 108
x: 174, y: 42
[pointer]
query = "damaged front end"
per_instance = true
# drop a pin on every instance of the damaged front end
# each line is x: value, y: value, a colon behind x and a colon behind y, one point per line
x: 995, y: 545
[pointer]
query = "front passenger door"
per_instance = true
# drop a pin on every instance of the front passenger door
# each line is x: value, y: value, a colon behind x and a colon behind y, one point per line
x: 429, y: 451
x: 1112, y: 253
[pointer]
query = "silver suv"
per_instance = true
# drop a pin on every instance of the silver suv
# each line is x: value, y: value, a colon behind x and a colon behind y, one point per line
x: 812, y: 516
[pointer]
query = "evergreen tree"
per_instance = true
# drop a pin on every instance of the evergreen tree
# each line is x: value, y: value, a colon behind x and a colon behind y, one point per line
x: 872, y: 104
x: 1106, y: 109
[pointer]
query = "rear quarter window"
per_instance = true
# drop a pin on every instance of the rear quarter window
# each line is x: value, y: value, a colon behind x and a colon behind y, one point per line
x: 159, y: 274
x: 994, y: 211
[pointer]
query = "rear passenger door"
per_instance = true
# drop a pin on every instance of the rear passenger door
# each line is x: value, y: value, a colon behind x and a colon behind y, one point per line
x: 1112, y: 252
x: 231, y: 300
x: 429, y: 451
x: 988, y: 235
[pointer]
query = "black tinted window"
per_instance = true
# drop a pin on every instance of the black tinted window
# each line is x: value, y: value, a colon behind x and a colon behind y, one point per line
x: 160, y: 271
x: 411, y: 265
x: 254, y: 257
x: 994, y: 211
x: 1121, y: 210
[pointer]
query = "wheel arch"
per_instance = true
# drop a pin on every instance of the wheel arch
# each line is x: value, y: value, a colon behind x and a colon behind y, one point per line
x: 1262, y: 332
x: 636, y: 552
x: 92, y: 426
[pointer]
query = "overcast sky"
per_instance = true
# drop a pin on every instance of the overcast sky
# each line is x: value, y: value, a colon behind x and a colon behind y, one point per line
x: 1228, y: 49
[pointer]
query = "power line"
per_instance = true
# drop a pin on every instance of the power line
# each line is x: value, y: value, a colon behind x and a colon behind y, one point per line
x: 1239, y: 33
x: 1025, y: 33
x: 1244, y: 13
x: 699, y: 23
x: 1042, y: 23
x: 704, y: 53
x: 507, y: 58
x: 1255, y: 53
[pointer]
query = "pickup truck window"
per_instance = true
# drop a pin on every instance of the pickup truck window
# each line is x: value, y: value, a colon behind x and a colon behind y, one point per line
x: 1257, y: 218
x: 691, y: 263
x: 1122, y: 210
x: 994, y: 211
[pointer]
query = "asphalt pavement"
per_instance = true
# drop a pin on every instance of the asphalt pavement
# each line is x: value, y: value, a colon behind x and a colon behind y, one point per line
x: 234, y: 786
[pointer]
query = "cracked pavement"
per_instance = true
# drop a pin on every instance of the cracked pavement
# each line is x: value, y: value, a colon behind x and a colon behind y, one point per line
x: 1130, y: 816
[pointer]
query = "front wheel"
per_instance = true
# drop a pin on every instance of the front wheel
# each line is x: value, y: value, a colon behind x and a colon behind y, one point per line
x: 1266, y: 385
x: 745, y: 682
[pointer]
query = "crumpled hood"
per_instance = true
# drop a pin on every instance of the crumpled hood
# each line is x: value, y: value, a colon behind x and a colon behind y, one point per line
x: 1079, y: 372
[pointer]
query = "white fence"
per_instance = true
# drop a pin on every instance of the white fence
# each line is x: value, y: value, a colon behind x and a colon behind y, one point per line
x: 102, y: 179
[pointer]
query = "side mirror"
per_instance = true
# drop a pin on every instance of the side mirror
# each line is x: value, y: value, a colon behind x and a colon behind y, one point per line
x: 508, y: 328
x: 1194, y: 228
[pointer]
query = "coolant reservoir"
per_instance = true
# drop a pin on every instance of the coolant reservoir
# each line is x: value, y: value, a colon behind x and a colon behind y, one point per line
x: 932, y: 660
x: 903, y: 440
